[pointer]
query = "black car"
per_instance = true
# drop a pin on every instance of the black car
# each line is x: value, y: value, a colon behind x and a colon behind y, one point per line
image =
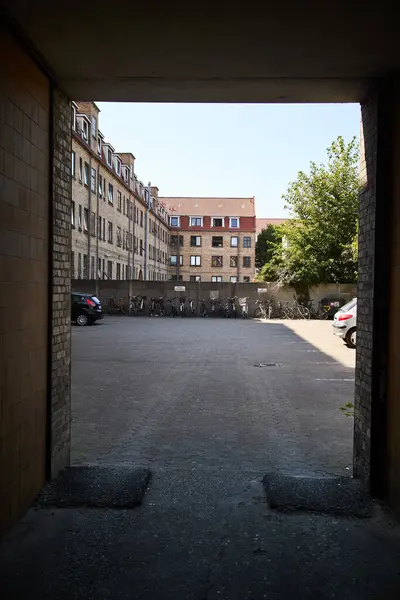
x: 85, y: 308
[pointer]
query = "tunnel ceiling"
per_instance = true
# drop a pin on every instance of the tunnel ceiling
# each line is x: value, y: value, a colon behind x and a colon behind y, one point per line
x: 156, y: 51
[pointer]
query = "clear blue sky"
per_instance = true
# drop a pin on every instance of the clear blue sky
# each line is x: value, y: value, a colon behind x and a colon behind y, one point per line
x: 226, y: 149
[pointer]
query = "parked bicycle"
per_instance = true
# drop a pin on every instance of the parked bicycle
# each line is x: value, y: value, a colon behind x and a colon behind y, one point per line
x: 115, y: 308
x: 244, y: 305
x: 157, y: 304
x: 203, y: 309
x: 319, y: 311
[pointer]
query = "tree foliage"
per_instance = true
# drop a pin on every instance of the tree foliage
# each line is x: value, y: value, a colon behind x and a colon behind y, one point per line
x: 265, y: 245
x: 319, y: 240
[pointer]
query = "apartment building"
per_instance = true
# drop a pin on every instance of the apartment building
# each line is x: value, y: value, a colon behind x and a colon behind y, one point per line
x: 212, y: 239
x: 119, y: 226
x: 262, y: 223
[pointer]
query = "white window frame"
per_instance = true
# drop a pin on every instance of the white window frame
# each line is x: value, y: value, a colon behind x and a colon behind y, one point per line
x: 237, y: 241
x: 192, y: 225
x: 109, y: 157
x: 74, y: 116
x: 220, y: 219
x: 118, y: 166
x: 234, y: 226
x: 234, y: 279
x: 195, y: 260
x: 73, y: 214
x: 174, y: 264
x: 86, y: 174
x: 174, y: 217
x: 73, y: 160
x: 93, y: 180
x: 216, y: 278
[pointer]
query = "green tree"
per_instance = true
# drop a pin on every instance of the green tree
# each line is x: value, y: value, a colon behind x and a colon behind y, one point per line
x: 265, y: 245
x: 318, y: 240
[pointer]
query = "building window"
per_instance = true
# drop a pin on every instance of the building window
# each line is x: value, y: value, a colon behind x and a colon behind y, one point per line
x: 194, y: 278
x: 92, y: 267
x: 94, y: 127
x: 175, y: 221
x: 100, y: 185
x: 85, y: 220
x: 174, y: 260
x: 93, y: 180
x: 73, y: 116
x: 118, y: 166
x: 234, y: 222
x: 195, y: 240
x: 104, y: 230
x: 85, y: 130
x: 176, y: 278
x: 99, y: 221
x: 86, y: 174
x: 247, y: 261
x: 85, y: 266
x: 73, y: 215
x: 73, y: 163
x: 99, y: 145
x: 141, y: 248
x: 233, y: 261
x: 195, y: 261
x: 216, y: 278
x: 174, y: 240
x: 72, y: 265
x: 217, y: 241
x: 234, y: 241
x: 80, y: 217
x: 216, y: 261
x: 118, y: 270
x: 93, y: 223
x: 109, y: 269
x: 234, y: 278
x: 119, y: 201
x: 110, y: 193
x: 110, y: 232
x: 80, y: 170
x: 217, y: 222
x: 119, y: 237
x: 141, y: 218
x: 109, y: 157
x: 196, y: 221
x: 247, y: 242
x: 246, y: 279
x: 79, y: 265
x: 150, y: 252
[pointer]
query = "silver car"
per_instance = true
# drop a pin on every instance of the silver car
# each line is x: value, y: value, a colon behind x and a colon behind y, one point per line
x: 345, y: 323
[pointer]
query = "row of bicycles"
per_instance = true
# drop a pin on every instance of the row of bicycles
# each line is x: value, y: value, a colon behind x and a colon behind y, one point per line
x: 179, y: 306
x: 268, y: 309
x: 219, y: 307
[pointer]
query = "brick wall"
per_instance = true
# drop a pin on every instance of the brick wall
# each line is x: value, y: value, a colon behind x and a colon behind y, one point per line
x: 365, y: 288
x: 61, y: 283
x: 24, y: 268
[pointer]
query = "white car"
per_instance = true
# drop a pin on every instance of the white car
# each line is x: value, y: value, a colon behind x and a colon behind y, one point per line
x: 345, y: 323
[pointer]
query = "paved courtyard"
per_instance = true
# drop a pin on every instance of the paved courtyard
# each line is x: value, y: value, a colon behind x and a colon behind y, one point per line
x: 188, y: 392
x: 185, y: 399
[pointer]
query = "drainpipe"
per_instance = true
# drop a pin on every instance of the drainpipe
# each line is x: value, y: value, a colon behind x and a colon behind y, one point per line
x: 96, y: 266
x: 146, y: 232
x: 90, y: 211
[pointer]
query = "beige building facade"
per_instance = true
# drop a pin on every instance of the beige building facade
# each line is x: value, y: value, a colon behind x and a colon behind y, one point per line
x: 212, y: 239
x: 119, y: 226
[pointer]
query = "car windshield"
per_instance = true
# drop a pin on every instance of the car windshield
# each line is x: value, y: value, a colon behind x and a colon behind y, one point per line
x: 349, y: 305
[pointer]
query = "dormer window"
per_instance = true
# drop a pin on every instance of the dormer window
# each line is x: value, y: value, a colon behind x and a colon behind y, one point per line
x: 94, y: 127
x: 109, y: 157
x: 85, y: 130
x: 196, y: 221
x: 217, y: 222
x: 118, y: 166
x: 234, y: 222
x: 99, y: 145
x: 175, y: 221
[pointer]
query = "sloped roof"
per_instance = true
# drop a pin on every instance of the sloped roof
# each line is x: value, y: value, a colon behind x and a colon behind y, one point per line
x: 218, y: 207
x: 263, y: 223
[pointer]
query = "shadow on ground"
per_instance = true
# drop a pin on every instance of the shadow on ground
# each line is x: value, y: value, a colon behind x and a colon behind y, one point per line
x: 185, y: 400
